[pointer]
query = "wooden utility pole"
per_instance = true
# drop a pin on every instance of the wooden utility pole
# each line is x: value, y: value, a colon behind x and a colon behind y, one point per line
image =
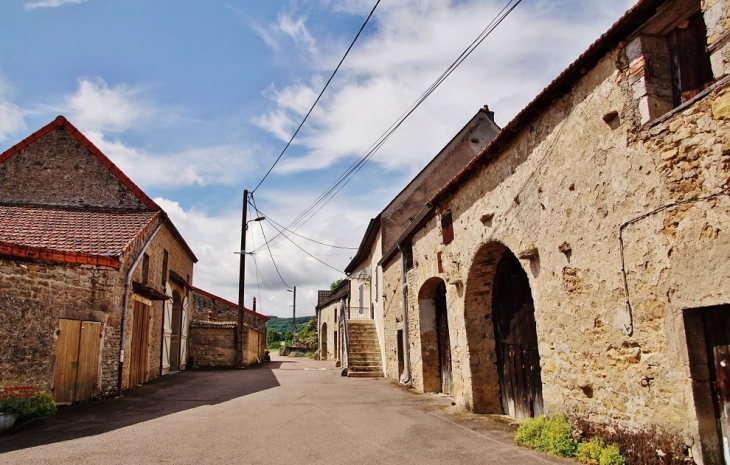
x: 294, y: 316
x: 241, y: 282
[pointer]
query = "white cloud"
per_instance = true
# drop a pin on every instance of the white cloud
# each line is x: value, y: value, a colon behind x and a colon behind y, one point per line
x: 12, y: 118
x: 96, y: 106
x: 405, y: 49
x: 221, y: 164
x: 50, y: 3
x: 289, y: 31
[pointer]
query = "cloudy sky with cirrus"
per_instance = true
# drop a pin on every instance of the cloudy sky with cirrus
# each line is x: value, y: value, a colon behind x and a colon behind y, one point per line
x: 194, y: 101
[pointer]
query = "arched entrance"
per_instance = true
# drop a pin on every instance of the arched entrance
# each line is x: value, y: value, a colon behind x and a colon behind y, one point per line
x: 323, y: 350
x: 502, y: 335
x: 175, y: 337
x: 518, y: 359
x: 435, y: 342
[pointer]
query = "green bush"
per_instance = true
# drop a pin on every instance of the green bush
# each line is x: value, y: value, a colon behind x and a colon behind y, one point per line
x: 40, y: 405
x: 611, y: 455
x: 590, y: 452
x: 551, y: 435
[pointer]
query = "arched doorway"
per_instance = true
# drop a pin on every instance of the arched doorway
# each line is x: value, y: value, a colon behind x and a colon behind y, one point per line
x: 175, y: 337
x: 435, y: 341
x: 502, y: 335
x: 518, y: 358
x: 323, y: 351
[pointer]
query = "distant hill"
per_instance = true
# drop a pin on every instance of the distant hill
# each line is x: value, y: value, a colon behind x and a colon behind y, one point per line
x: 284, y: 324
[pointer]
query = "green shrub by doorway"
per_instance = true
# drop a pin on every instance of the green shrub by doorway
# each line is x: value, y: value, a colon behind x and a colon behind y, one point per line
x: 40, y: 405
x: 554, y: 436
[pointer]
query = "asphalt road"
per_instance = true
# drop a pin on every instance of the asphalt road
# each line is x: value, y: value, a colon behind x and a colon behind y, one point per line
x: 290, y: 411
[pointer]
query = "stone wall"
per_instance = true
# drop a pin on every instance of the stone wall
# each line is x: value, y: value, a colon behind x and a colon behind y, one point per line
x: 43, y: 173
x: 557, y: 195
x: 213, y: 344
x: 328, y: 318
x: 34, y: 296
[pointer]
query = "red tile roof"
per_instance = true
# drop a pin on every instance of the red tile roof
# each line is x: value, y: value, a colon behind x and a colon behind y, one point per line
x: 229, y: 303
x: 70, y: 235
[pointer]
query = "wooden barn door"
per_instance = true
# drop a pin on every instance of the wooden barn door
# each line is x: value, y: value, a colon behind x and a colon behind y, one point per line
x: 444, y: 343
x: 139, y: 369
x: 323, y: 352
x: 717, y: 338
x: 77, y: 361
x: 518, y: 359
x: 184, y: 333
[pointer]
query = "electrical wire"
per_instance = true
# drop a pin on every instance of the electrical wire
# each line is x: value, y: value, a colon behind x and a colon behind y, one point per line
x: 258, y: 286
x: 272, y: 257
x: 324, y: 198
x: 268, y: 218
x: 318, y: 97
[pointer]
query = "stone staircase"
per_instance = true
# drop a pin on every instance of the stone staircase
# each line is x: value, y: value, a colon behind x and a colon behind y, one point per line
x: 365, y: 360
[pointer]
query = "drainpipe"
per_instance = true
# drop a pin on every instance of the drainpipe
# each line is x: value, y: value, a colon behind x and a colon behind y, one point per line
x: 404, y: 291
x: 126, y: 303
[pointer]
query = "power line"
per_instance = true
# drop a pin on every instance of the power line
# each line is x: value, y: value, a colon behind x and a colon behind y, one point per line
x: 269, y: 249
x: 308, y: 239
x: 324, y: 198
x: 318, y: 97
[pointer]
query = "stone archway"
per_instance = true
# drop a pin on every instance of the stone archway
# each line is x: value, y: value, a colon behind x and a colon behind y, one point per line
x: 501, y: 335
x: 435, y: 341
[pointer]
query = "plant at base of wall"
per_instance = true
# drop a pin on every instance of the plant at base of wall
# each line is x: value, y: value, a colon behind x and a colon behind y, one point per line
x: 38, y: 406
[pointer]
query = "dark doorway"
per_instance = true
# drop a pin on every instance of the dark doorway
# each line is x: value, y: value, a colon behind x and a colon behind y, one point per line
x: 444, y: 344
x: 323, y: 354
x: 708, y: 343
x: 518, y: 359
x: 175, y: 337
x: 401, y: 357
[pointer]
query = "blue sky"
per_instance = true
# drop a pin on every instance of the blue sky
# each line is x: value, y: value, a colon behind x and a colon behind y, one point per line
x: 195, y: 99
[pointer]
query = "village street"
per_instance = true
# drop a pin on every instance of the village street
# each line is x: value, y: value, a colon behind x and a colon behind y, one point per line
x: 292, y: 410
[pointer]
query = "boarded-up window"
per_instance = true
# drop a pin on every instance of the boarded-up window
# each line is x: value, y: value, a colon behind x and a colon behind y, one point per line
x: 447, y: 228
x: 164, y: 267
x: 691, y: 69
x: 408, y: 255
x: 145, y: 268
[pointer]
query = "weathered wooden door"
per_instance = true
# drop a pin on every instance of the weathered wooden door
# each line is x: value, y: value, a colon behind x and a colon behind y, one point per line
x: 717, y: 338
x: 139, y: 365
x: 77, y: 360
x: 518, y: 359
x: 444, y: 343
x: 184, y: 333
x: 166, y: 329
x: 175, y: 331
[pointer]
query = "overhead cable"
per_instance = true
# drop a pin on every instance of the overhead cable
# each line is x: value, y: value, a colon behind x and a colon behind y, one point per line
x: 318, y: 97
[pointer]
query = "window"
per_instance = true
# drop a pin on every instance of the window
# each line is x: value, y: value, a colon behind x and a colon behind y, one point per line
x: 447, y: 228
x: 668, y: 61
x: 164, y: 268
x: 145, y: 268
x: 408, y: 255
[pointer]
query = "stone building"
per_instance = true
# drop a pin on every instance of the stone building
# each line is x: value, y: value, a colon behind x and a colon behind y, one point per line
x: 92, y: 271
x: 579, y: 263
x: 214, y: 330
x: 329, y: 304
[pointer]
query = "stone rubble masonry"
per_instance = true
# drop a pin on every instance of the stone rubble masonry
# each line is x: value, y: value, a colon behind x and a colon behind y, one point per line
x: 556, y: 194
x: 213, y: 344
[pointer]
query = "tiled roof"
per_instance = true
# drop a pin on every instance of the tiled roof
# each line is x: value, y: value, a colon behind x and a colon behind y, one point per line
x: 36, y: 232
x: 229, y: 303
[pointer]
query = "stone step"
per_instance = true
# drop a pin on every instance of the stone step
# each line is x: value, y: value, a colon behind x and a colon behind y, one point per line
x: 365, y: 374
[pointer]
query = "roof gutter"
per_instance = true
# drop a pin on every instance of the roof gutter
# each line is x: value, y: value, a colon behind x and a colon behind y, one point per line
x: 125, y: 302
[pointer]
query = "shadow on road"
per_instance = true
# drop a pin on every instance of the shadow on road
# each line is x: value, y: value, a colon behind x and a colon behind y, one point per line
x: 163, y: 396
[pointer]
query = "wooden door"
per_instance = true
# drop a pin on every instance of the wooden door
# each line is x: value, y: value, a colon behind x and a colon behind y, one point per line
x: 323, y: 353
x: 717, y: 338
x: 166, y: 330
x: 139, y: 363
x: 175, y: 332
x: 444, y: 342
x: 77, y: 361
x: 518, y: 359
x: 184, y: 334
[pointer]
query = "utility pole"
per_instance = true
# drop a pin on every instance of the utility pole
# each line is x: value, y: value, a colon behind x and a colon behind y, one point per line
x: 241, y: 279
x: 294, y: 316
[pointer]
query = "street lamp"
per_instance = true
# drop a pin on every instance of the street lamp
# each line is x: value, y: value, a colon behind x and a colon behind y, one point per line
x: 294, y: 314
x: 242, y: 277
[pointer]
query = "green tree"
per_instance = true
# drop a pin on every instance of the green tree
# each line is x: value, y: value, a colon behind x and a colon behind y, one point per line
x: 334, y: 284
x: 273, y: 336
x: 307, y: 337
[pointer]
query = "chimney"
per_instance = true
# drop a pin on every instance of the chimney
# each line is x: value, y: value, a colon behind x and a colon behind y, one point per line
x: 490, y: 114
x: 254, y: 304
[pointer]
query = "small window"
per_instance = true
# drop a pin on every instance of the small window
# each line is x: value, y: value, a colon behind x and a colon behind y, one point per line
x: 145, y: 268
x: 691, y: 69
x: 447, y: 228
x: 164, y: 267
x: 408, y: 255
